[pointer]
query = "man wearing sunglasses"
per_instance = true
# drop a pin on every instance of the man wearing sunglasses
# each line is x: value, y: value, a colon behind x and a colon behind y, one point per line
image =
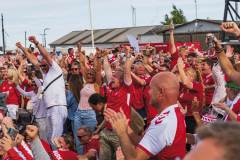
x: 53, y: 93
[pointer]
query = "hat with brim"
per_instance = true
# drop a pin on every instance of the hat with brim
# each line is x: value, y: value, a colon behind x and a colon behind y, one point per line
x: 232, y: 85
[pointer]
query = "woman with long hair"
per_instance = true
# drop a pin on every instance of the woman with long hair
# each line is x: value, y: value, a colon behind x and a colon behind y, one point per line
x: 8, y: 86
x: 85, y: 115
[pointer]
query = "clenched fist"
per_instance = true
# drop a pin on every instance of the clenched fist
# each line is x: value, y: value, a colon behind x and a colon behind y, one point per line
x: 230, y: 27
x: 33, y: 39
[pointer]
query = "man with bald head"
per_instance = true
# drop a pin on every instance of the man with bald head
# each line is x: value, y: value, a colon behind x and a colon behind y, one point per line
x: 166, y: 136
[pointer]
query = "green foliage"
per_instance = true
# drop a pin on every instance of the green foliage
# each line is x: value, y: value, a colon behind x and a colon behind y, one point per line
x: 176, y: 15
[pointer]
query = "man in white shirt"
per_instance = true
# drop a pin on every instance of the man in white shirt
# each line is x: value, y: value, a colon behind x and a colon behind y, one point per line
x: 53, y: 89
x: 166, y: 136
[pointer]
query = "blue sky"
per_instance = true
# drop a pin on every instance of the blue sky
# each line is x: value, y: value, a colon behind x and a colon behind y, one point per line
x: 64, y: 16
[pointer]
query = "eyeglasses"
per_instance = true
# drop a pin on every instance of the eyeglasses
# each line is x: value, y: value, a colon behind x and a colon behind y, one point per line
x: 43, y: 66
x: 82, y: 136
x: 74, y: 69
x: 34, y: 85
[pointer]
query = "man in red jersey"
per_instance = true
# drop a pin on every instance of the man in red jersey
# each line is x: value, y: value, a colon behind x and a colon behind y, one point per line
x: 166, y: 136
x: 117, y: 94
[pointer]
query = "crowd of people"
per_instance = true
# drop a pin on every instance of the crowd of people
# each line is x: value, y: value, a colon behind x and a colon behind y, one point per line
x: 121, y: 104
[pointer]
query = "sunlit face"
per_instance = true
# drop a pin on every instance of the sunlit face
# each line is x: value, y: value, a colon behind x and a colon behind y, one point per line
x: 91, y: 76
x: 139, y: 68
x: 231, y: 94
x: 44, y: 66
x: 63, y: 143
x: 161, y: 60
x: 116, y: 79
x: 205, y: 67
x: 183, y: 53
x: 154, y: 94
x: 192, y: 61
x: 34, y: 86
x: 83, y: 136
x: 75, y: 69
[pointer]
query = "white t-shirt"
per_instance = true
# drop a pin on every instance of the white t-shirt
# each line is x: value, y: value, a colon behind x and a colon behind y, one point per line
x: 55, y: 94
x: 85, y: 93
x: 166, y: 135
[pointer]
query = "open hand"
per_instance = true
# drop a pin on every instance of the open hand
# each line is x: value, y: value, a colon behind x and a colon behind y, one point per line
x: 118, y: 120
x: 6, y: 142
x: 19, y: 45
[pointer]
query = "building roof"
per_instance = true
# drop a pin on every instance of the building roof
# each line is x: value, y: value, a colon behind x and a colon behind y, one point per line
x: 102, y: 36
x: 119, y: 35
x: 203, y: 25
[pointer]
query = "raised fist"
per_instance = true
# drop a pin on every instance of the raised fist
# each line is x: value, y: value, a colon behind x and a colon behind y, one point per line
x: 33, y: 39
x: 230, y: 27
x: 32, y: 131
x: 19, y: 45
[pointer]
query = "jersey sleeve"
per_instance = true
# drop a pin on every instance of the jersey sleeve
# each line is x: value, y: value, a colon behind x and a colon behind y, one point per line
x: 153, y: 141
x: 160, y: 134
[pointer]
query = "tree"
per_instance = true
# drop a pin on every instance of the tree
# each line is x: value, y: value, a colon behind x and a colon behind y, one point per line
x: 176, y: 15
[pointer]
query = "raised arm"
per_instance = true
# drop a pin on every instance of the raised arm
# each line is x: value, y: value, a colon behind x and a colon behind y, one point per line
x: 172, y: 45
x: 82, y: 60
x: 185, y: 80
x: 226, y: 64
x: 42, y: 50
x: 20, y: 71
x: 29, y: 56
x: 127, y: 67
x: 98, y: 67
x: 107, y: 68
x: 229, y: 27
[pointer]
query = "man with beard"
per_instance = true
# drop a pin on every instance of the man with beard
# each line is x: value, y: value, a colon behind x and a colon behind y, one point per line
x: 166, y: 136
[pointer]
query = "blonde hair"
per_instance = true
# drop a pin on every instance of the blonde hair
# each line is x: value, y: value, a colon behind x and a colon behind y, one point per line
x: 12, y: 75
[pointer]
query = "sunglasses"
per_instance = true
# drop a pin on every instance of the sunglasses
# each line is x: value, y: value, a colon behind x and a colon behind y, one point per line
x: 82, y: 136
x: 33, y: 84
x: 74, y: 69
x: 91, y: 74
x: 43, y: 66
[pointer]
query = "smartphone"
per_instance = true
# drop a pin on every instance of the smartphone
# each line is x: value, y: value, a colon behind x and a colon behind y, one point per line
x: 12, y: 133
